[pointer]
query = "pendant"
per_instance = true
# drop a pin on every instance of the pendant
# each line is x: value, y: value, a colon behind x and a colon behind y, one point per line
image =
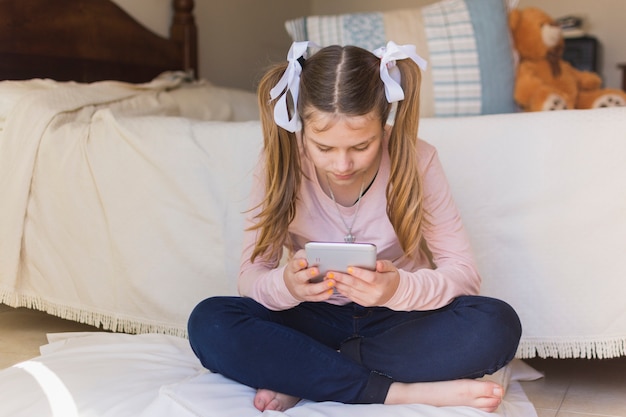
x: 349, y: 238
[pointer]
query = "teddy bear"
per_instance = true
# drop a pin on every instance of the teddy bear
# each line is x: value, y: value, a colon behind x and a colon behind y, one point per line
x: 544, y: 81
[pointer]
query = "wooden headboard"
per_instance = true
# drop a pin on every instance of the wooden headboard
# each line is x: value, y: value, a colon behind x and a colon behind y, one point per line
x: 91, y: 40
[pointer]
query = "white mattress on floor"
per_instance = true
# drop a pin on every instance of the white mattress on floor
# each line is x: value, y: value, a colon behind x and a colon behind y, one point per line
x: 117, y: 375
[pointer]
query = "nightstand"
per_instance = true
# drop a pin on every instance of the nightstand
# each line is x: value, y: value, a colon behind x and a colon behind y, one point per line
x: 623, y: 67
x: 582, y: 52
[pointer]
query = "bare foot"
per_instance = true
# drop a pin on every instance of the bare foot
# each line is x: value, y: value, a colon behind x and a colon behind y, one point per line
x: 483, y: 395
x: 271, y: 400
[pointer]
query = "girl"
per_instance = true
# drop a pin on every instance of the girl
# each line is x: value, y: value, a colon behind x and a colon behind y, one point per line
x: 412, y: 331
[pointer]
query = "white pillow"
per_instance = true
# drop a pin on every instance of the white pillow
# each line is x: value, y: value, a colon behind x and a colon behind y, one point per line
x: 205, y: 101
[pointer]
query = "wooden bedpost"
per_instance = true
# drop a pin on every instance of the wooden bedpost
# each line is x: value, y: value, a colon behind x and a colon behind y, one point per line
x: 185, y: 32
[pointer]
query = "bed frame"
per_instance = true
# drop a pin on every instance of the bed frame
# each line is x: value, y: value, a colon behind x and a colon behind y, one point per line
x: 91, y: 40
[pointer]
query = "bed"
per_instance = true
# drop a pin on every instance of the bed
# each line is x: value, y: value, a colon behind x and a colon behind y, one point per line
x: 39, y: 40
x: 122, y: 190
x: 113, y: 68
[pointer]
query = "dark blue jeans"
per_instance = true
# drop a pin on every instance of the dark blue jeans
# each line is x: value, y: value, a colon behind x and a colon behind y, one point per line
x: 351, y: 354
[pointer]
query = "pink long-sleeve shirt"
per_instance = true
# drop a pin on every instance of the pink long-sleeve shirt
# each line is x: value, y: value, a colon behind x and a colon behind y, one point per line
x: 426, y: 283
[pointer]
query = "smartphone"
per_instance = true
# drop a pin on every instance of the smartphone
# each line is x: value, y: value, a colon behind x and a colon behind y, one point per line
x: 336, y: 256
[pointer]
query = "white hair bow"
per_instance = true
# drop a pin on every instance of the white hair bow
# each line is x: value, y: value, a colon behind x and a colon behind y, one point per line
x: 289, y: 84
x: 389, y: 72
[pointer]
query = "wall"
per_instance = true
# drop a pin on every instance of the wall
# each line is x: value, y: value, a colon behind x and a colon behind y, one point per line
x: 239, y: 38
x: 154, y: 14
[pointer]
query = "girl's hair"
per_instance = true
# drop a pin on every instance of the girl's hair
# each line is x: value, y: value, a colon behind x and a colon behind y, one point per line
x: 342, y: 81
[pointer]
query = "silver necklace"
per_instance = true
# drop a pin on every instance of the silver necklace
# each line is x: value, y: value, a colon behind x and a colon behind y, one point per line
x: 349, y: 237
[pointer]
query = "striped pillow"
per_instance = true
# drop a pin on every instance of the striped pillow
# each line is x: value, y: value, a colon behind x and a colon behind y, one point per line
x: 466, y: 42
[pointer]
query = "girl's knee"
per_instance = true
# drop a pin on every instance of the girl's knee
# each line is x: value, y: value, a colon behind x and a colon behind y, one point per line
x: 505, y: 328
x: 204, y: 311
x: 213, y: 313
x: 212, y: 326
x: 208, y: 319
x: 496, y: 322
x: 507, y: 318
x: 217, y: 317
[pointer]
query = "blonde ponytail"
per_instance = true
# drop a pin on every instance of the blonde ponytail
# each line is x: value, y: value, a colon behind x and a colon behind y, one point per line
x: 282, y: 175
x: 404, y: 190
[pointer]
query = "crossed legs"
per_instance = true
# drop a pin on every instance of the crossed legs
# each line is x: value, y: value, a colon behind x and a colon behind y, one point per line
x: 353, y: 354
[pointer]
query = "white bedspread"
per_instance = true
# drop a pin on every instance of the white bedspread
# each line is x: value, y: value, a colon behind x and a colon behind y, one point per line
x: 124, y: 219
x: 543, y: 196
x: 149, y: 375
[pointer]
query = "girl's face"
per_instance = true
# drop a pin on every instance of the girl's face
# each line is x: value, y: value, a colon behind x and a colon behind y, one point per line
x: 344, y: 149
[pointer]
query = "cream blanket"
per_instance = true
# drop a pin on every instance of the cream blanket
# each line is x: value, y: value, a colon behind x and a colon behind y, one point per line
x: 114, y: 212
x: 124, y: 219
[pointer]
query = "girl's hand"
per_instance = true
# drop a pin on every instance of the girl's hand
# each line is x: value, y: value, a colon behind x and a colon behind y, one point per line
x: 297, y: 278
x: 365, y: 287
